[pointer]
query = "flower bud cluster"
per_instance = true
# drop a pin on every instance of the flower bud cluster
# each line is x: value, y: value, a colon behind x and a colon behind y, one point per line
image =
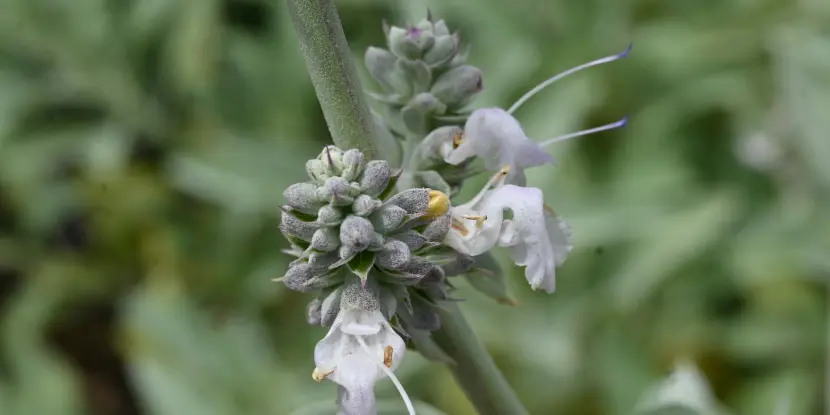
x: 348, y: 221
x: 422, y: 75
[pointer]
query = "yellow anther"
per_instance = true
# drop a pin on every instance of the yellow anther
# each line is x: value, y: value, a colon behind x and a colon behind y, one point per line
x: 320, y: 375
x: 387, y: 356
x: 439, y: 204
x: 457, y: 139
x: 479, y: 219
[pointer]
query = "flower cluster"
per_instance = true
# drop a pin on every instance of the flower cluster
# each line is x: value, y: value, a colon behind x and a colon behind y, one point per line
x: 377, y: 246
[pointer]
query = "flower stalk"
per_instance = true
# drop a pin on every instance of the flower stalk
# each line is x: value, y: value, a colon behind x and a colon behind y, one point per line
x: 333, y: 75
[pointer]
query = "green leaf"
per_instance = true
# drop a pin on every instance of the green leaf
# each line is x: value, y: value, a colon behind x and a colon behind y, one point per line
x: 487, y: 278
x: 361, y: 264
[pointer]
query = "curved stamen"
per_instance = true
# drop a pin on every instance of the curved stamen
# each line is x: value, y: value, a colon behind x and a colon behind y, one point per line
x: 611, y: 126
x: 391, y: 375
x: 557, y: 77
x: 495, y: 181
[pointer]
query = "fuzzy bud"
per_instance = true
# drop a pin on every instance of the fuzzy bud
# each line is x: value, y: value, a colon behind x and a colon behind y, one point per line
x: 382, y: 65
x: 356, y: 233
x: 292, y: 226
x: 412, y: 239
x: 364, y: 205
x: 325, y: 240
x: 436, y: 230
x: 393, y: 255
x: 303, y: 197
x: 457, y: 86
x: 338, y: 191
x: 313, y: 312
x: 315, y: 170
x: 298, y: 276
x: 375, y: 177
x: 405, y: 43
x: 352, y: 164
x: 356, y: 296
x: 387, y: 218
x: 330, y: 307
x: 411, y: 200
x: 322, y: 260
x: 329, y: 216
x: 442, y: 52
x: 332, y: 158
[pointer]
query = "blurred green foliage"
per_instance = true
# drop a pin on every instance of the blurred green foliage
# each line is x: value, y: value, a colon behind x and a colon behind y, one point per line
x: 144, y: 146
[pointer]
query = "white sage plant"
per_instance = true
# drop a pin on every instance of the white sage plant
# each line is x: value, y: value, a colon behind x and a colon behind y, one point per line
x: 378, y: 247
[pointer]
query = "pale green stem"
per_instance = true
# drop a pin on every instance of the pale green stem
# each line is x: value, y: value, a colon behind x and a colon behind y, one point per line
x: 334, y: 77
x: 474, y: 369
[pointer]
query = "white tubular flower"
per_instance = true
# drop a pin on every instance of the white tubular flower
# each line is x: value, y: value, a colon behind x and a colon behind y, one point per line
x: 496, y: 137
x: 537, y: 238
x: 499, y: 140
x: 360, y: 349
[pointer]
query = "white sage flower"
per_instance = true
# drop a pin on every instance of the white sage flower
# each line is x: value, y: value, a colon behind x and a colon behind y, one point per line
x: 360, y: 349
x: 497, y: 138
x: 516, y: 218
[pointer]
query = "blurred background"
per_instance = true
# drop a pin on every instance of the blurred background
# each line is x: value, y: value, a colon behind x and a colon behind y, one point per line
x: 144, y: 147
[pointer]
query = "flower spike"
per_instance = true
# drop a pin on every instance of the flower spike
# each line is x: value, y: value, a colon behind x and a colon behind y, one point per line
x: 549, y: 81
x: 617, y: 124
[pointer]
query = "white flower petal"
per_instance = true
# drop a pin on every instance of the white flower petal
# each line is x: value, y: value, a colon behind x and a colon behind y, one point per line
x: 357, y: 374
x: 499, y: 140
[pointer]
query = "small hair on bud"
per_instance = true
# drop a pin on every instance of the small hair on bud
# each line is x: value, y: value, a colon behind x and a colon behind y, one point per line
x: 325, y: 240
x: 375, y: 177
x: 412, y: 200
x: 313, y: 312
x: 303, y: 197
x: 298, y: 276
x: 393, y: 255
x: 356, y: 232
x: 387, y: 218
x: 436, y: 230
x: 364, y: 205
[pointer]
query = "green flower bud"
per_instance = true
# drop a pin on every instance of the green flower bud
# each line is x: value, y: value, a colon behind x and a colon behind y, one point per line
x: 405, y: 43
x: 321, y: 261
x: 303, y: 197
x: 457, y: 86
x: 329, y: 216
x: 330, y: 307
x: 332, y: 158
x: 383, y: 67
x: 442, y: 52
x: 412, y: 239
x: 423, y: 316
x: 440, y: 28
x: 437, y: 230
x: 315, y: 170
x: 411, y: 200
x: 325, y: 240
x: 364, y: 205
x: 356, y: 232
x: 416, y: 111
x: 298, y: 277
x: 387, y: 218
x: 375, y: 177
x: 356, y: 296
x: 417, y: 73
x: 292, y: 226
x: 338, y: 191
x: 313, y: 312
x: 388, y: 303
x: 393, y: 255
x: 352, y: 164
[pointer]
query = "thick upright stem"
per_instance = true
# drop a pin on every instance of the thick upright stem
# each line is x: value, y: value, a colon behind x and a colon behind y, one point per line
x: 475, y: 370
x: 333, y: 75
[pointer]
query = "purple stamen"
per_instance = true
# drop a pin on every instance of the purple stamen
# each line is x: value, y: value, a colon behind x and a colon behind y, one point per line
x: 414, y: 32
x: 618, y: 124
x: 559, y: 76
